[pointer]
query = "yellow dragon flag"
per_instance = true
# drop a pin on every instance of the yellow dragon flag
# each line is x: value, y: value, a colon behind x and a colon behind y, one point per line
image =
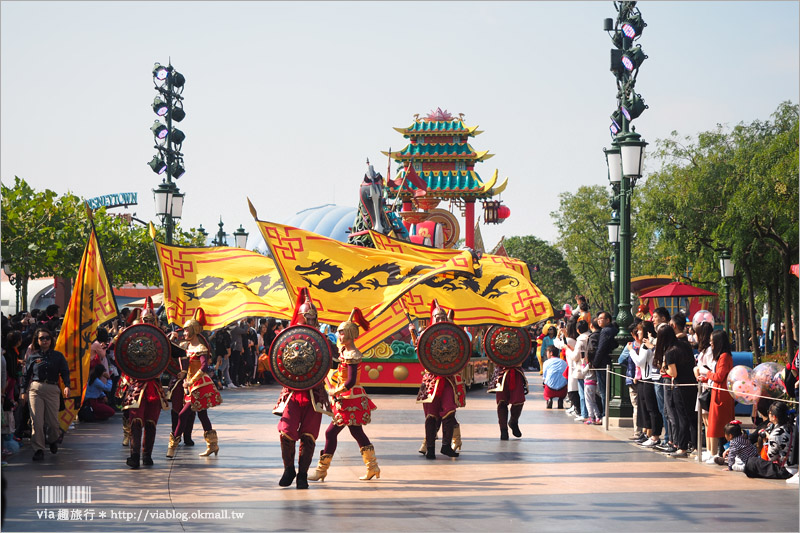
x: 91, y: 304
x: 342, y: 276
x: 503, y: 294
x: 228, y: 283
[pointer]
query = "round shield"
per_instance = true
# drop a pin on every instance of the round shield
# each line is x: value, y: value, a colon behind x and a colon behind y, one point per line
x: 300, y: 357
x: 507, y: 346
x: 143, y: 351
x: 444, y: 349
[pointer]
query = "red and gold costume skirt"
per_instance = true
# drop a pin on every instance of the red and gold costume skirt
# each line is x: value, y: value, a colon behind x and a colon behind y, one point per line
x: 202, y: 394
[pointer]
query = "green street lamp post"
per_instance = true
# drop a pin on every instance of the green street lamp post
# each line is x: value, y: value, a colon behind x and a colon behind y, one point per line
x: 168, y: 160
x: 169, y: 206
x: 240, y: 237
x: 14, y: 279
x: 624, y: 161
x: 613, y: 239
x: 726, y: 267
x: 632, y: 152
x: 222, y: 237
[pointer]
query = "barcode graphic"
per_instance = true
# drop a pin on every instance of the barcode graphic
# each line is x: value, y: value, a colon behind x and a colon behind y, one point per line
x: 63, y: 494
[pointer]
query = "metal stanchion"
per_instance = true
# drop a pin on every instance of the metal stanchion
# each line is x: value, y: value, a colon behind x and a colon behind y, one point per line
x: 699, y: 448
x: 608, y: 390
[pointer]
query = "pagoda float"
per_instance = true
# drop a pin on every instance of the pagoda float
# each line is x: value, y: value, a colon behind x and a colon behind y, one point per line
x: 439, y: 164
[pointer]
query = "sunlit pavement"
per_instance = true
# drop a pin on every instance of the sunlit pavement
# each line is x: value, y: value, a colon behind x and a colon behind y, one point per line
x: 560, y: 476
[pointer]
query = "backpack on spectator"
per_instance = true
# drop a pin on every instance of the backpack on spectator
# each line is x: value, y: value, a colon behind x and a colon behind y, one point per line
x: 86, y: 413
x: 591, y: 342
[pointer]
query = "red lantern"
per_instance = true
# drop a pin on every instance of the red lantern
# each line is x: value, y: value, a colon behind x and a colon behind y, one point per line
x: 503, y: 212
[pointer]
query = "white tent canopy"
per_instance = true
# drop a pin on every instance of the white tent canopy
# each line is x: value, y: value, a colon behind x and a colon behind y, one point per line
x: 41, y: 293
x: 158, y: 300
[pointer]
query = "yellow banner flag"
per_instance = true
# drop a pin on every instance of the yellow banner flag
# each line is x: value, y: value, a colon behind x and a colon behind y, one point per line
x: 342, y: 276
x: 91, y: 304
x: 228, y: 283
x: 503, y: 294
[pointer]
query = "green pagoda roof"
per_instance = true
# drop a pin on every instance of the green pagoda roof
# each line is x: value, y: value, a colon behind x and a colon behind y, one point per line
x: 447, y: 183
x: 438, y: 127
x: 450, y: 126
x: 437, y: 149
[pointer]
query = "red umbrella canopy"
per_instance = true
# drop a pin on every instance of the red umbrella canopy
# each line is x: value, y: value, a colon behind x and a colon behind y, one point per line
x: 677, y: 289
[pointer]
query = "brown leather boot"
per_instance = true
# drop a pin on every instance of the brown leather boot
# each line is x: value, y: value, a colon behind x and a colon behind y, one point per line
x: 287, y: 454
x: 448, y: 424
x: 135, y: 443
x: 431, y: 428
x: 149, y: 442
x: 513, y: 423
x: 502, y: 419
x: 307, y: 446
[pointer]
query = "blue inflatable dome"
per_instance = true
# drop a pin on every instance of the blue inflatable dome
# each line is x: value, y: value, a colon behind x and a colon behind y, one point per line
x: 328, y: 220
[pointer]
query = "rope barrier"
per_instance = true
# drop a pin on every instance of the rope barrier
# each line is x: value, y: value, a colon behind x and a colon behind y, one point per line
x: 708, y: 385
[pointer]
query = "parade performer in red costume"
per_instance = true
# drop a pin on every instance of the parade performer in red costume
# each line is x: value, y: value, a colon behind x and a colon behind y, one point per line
x: 142, y: 404
x: 351, y: 405
x: 200, y: 392
x: 177, y: 399
x: 300, y: 410
x: 440, y: 396
x: 124, y: 383
x: 510, y: 387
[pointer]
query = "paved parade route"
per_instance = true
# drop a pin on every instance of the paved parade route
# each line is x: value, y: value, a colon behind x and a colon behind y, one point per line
x: 561, y: 476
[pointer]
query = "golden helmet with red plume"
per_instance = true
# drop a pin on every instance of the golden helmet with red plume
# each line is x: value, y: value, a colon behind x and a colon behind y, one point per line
x: 197, y: 323
x: 149, y: 313
x: 349, y: 328
x: 304, y: 310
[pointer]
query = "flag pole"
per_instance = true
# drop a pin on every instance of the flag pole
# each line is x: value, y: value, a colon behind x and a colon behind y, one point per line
x: 412, y: 329
x: 389, y: 165
x: 400, y: 188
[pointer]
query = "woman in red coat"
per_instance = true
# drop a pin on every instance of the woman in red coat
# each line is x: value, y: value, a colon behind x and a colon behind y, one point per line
x: 721, y: 409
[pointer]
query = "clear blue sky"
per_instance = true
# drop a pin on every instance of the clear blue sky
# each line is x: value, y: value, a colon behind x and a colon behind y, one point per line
x: 285, y: 101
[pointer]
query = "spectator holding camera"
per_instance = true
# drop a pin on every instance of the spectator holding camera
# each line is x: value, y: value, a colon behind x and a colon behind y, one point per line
x: 98, y: 350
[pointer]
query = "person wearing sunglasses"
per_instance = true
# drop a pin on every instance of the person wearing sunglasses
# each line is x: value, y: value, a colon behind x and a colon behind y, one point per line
x: 40, y: 382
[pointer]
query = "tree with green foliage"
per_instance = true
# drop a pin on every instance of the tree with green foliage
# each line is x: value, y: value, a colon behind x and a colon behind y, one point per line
x: 729, y: 190
x: 44, y: 234
x: 581, y: 220
x: 554, y: 277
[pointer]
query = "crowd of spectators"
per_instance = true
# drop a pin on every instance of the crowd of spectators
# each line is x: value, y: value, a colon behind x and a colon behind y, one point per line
x: 663, y: 366
x: 239, y: 359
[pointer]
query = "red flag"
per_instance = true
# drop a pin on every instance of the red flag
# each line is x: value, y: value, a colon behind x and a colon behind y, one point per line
x: 412, y: 176
x: 419, y: 183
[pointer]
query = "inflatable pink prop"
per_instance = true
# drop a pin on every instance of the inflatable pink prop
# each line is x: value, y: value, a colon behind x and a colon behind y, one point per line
x: 742, y: 386
x: 702, y: 316
x: 768, y: 377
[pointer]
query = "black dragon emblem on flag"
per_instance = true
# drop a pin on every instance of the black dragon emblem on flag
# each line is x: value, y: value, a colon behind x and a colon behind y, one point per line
x: 210, y: 286
x: 332, y: 277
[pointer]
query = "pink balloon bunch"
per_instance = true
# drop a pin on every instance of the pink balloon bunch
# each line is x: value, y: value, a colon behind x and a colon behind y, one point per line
x: 768, y: 377
x: 702, y: 316
x: 742, y: 386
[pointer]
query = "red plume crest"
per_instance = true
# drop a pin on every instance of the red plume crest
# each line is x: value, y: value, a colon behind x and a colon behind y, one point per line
x: 357, y: 317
